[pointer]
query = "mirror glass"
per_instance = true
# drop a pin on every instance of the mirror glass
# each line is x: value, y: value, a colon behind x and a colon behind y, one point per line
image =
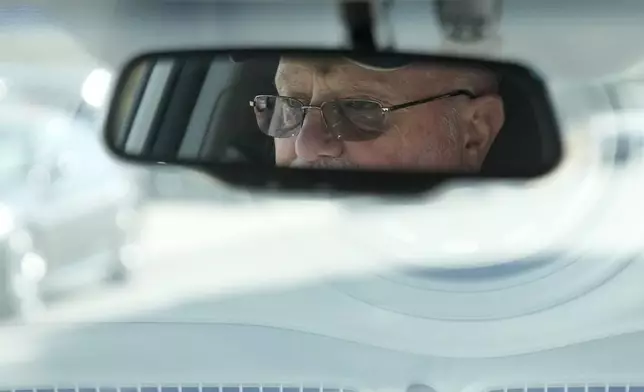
x: 334, y: 110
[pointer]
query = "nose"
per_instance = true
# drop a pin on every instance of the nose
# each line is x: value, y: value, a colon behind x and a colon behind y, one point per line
x: 314, y: 141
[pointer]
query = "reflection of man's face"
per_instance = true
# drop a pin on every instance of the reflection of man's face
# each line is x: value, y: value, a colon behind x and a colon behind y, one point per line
x: 452, y: 134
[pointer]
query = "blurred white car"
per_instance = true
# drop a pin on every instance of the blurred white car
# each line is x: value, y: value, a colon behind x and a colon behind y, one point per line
x: 68, y: 211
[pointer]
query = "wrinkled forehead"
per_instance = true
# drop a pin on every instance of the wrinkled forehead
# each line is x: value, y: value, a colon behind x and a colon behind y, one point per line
x: 345, y: 72
x: 326, y: 64
x: 407, y: 79
x: 290, y: 69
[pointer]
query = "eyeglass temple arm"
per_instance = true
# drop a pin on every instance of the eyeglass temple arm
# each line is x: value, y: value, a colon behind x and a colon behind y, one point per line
x: 467, y: 93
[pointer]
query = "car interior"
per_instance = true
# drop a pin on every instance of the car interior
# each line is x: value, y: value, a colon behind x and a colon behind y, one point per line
x: 498, y: 283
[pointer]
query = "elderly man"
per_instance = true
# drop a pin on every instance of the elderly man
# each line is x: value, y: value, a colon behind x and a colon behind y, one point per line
x: 347, y: 113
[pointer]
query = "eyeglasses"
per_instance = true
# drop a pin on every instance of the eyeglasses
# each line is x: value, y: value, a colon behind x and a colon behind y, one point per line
x: 346, y: 119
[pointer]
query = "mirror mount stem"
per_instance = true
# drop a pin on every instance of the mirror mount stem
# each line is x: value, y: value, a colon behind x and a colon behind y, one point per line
x: 358, y: 17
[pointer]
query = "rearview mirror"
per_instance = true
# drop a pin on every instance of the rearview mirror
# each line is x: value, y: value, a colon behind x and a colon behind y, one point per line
x: 334, y: 119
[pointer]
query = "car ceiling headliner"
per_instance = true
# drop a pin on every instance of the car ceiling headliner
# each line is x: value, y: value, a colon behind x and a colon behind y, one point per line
x: 562, y: 38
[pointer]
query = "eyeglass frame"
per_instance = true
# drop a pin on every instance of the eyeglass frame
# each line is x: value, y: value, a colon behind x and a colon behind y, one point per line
x: 384, y: 109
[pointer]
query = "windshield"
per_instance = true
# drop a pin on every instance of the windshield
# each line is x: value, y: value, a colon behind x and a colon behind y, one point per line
x: 14, y: 154
x: 123, y: 278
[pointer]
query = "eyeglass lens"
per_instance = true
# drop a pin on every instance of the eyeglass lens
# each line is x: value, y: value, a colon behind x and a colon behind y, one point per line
x: 348, y: 119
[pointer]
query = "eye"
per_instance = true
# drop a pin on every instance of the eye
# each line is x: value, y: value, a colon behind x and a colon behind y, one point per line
x: 357, y: 105
x: 360, y: 105
x: 292, y: 103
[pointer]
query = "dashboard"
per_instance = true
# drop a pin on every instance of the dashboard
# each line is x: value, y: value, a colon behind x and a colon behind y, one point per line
x: 341, y: 336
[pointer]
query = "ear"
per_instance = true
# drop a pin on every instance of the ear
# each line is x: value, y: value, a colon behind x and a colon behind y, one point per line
x: 484, y: 117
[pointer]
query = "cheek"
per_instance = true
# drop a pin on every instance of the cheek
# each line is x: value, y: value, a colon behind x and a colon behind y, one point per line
x: 284, y: 151
x: 416, y: 142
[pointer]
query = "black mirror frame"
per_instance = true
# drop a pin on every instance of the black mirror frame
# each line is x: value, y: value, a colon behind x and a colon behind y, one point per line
x: 344, y: 181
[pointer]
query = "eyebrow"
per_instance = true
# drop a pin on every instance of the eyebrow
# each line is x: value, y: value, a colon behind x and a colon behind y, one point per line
x: 374, y: 86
